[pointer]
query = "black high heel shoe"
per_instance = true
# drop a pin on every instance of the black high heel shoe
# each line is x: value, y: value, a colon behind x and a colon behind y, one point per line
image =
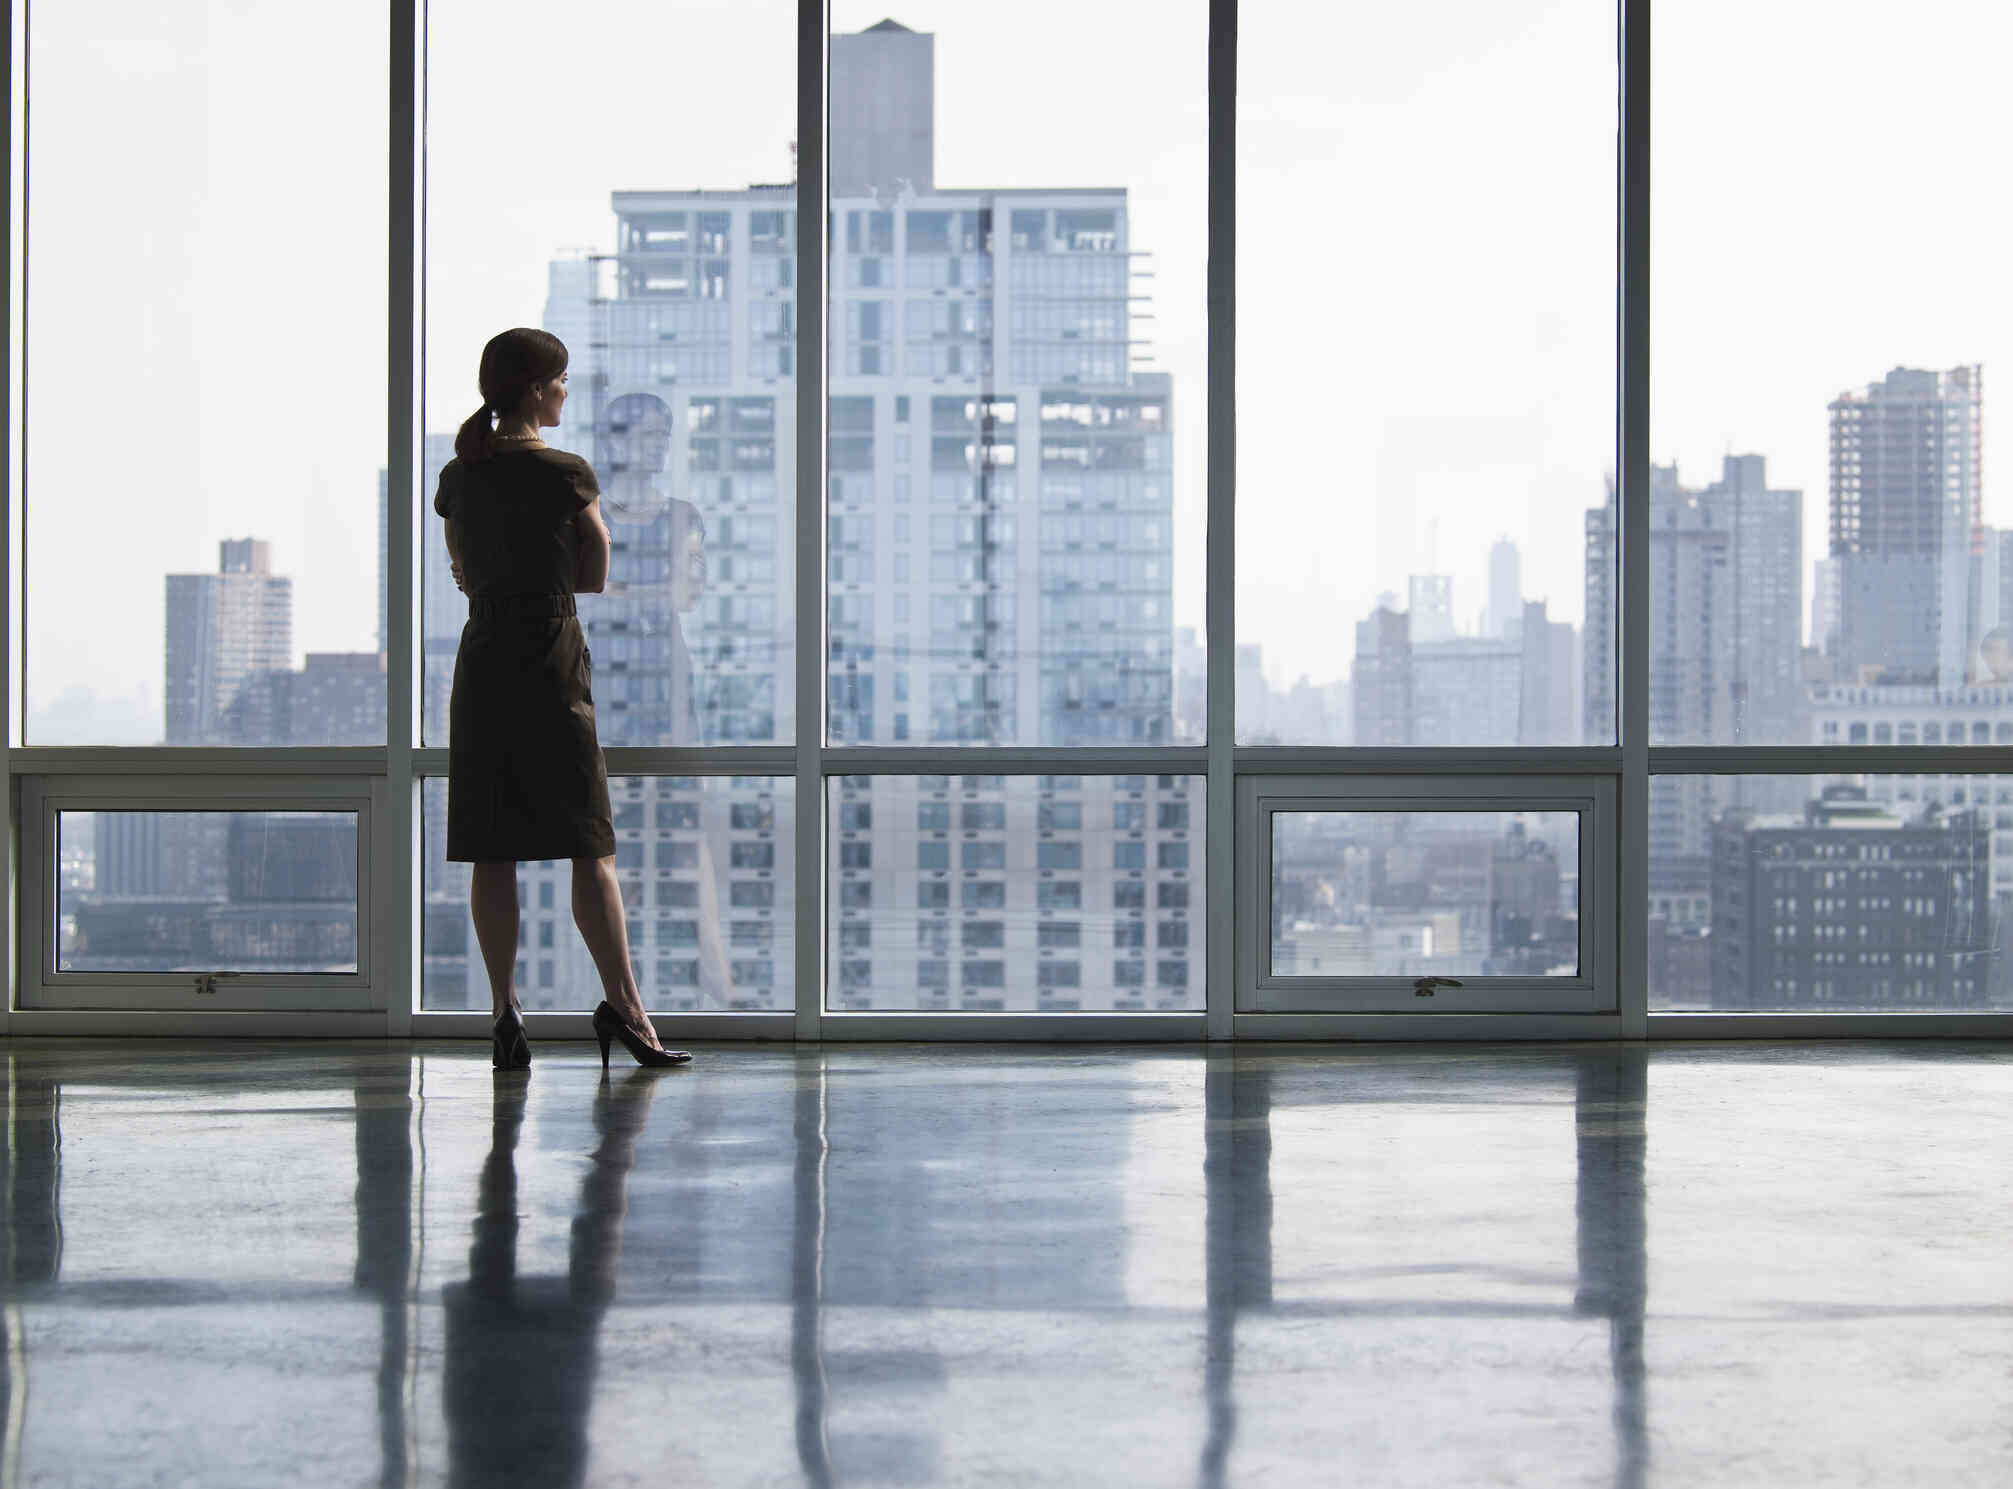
x: 609, y: 1026
x: 511, y: 1050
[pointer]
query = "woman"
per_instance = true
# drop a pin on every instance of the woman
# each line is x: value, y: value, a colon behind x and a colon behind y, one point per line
x: 525, y: 777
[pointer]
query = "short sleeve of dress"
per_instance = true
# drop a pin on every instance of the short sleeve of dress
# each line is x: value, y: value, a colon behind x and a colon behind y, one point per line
x: 448, y: 497
x: 580, y: 477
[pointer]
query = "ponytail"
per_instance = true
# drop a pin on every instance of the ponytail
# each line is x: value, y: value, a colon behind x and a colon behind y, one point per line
x: 475, y: 441
x: 513, y: 362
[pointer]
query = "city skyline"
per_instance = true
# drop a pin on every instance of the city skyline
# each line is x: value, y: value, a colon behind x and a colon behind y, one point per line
x: 1003, y: 567
x: 1714, y: 288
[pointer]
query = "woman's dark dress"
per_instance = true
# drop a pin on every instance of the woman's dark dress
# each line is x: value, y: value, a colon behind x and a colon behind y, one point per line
x: 525, y: 776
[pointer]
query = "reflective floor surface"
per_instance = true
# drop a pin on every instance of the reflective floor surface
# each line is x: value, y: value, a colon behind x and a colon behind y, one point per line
x: 240, y: 1263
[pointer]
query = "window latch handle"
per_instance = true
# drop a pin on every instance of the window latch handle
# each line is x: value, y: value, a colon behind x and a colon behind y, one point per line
x: 1422, y: 987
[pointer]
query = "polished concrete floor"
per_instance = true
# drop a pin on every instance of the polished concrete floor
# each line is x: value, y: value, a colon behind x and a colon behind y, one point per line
x: 242, y: 1263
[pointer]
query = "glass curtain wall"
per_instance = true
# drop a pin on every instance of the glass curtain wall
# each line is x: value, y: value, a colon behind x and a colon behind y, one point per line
x: 1828, y: 568
x: 1017, y: 441
x: 1426, y: 378
x: 202, y: 335
x: 1435, y: 530
x: 653, y: 232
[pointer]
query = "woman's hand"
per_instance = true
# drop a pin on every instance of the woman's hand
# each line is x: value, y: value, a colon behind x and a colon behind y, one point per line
x: 454, y: 568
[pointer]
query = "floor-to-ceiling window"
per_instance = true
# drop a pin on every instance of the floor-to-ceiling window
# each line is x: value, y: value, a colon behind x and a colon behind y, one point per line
x: 1830, y: 671
x: 1119, y: 525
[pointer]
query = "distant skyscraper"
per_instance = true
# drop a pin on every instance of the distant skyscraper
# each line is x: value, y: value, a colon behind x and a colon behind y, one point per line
x: 1825, y: 606
x: 1726, y: 610
x: 1726, y: 626
x: 1765, y: 682
x: 1906, y: 509
x: 1465, y: 690
x: 1254, y: 722
x: 1381, y: 680
x: 1431, y: 605
x: 1548, y: 675
x: 1506, y: 588
x: 224, y: 630
x: 337, y: 698
x: 1191, y: 684
x: 883, y: 111
x: 1992, y: 604
x: 1600, y: 708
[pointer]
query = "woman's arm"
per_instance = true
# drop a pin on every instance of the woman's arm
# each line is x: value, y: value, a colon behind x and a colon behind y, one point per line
x: 454, y: 555
x: 590, y: 562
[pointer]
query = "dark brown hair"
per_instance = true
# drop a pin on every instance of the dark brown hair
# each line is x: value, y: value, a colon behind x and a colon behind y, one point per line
x: 511, y: 363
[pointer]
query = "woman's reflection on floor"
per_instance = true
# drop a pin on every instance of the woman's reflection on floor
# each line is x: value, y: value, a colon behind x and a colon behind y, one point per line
x: 521, y: 1351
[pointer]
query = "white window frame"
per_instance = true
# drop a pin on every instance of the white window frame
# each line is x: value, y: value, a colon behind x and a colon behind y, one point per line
x: 1261, y: 991
x: 45, y: 989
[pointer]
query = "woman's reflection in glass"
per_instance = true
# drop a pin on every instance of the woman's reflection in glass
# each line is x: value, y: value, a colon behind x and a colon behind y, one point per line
x: 658, y: 577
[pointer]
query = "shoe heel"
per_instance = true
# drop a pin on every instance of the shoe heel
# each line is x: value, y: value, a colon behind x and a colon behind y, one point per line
x: 602, y: 1035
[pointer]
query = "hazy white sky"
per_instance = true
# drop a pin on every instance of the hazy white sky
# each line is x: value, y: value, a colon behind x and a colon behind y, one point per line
x: 1426, y: 242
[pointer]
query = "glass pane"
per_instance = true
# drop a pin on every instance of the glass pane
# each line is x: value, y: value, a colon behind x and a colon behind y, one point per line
x: 1840, y: 892
x: 1821, y: 542
x: 678, y: 310
x: 206, y: 891
x: 707, y: 884
x: 1017, y: 445
x: 1417, y: 894
x: 1009, y: 894
x: 1426, y: 373
x: 204, y: 400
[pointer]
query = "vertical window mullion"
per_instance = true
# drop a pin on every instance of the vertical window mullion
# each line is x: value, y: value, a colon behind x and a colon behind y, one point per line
x: 1219, y: 627
x: 26, y: 860
x: 813, y: 208
x: 392, y: 879
x: 1632, y: 965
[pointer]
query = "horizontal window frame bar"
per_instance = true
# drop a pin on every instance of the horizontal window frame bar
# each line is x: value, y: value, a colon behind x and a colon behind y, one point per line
x: 870, y: 760
x: 195, y: 1023
x: 1343, y: 760
x: 372, y: 760
x: 645, y: 760
x: 578, y: 1024
x: 1539, y: 995
x: 1373, y: 1028
x: 1051, y: 1028
x: 1956, y: 1023
x: 246, y: 993
x: 1798, y: 760
x: 181, y: 760
x: 1247, y: 1028
x: 157, y: 792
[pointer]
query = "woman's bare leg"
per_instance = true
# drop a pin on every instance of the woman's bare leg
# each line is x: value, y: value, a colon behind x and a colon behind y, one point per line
x: 492, y: 904
x: 597, y: 910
